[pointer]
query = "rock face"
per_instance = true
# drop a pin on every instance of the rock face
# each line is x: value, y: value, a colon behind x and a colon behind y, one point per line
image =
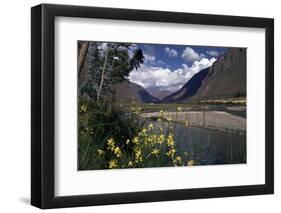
x: 127, y: 92
x: 226, y: 78
x: 189, y: 89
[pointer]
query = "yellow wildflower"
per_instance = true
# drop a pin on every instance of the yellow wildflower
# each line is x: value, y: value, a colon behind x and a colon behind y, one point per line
x: 186, y: 123
x: 130, y: 163
x: 139, y: 160
x: 190, y: 162
x: 161, y: 139
x: 178, y: 159
x: 151, y: 138
x: 171, y: 153
x: 100, y: 151
x: 170, y: 140
x: 151, y: 126
x: 179, y: 108
x: 83, y: 108
x: 154, y: 137
x: 155, y: 152
x: 112, y: 164
x: 117, y: 152
x: 110, y: 142
x: 136, y: 140
x: 148, y: 139
x: 127, y: 141
x: 144, y: 130
x: 138, y: 154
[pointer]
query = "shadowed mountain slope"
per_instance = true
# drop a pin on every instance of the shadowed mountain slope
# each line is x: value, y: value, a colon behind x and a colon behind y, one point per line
x: 130, y: 92
x: 226, y: 78
x: 189, y: 89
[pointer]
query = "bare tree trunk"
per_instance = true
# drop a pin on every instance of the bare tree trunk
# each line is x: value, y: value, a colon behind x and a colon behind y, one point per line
x: 82, y: 56
x: 102, y: 76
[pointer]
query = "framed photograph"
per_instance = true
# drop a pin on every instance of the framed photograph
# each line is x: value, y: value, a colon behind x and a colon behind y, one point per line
x: 139, y: 106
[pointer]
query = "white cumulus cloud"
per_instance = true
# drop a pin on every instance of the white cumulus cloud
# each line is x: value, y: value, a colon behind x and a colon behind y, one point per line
x: 149, y: 59
x: 190, y: 55
x: 213, y: 53
x: 171, y: 52
x: 165, y: 78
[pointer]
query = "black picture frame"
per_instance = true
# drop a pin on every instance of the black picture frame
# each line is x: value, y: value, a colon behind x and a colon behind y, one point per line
x: 43, y: 117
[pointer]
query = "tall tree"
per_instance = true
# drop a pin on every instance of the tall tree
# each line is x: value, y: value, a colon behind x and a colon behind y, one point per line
x: 83, y: 50
x: 110, y: 63
x: 102, y: 74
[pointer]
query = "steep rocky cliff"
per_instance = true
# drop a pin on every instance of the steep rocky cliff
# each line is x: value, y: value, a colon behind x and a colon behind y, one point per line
x: 226, y: 78
x: 189, y: 89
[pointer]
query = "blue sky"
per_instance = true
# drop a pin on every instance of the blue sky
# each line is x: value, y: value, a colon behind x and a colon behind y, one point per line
x: 169, y: 67
x: 171, y: 54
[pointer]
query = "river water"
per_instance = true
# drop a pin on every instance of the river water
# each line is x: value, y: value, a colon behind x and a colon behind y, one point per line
x: 210, y: 147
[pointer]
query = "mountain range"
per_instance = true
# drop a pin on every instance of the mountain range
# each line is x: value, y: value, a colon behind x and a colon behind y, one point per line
x: 126, y: 91
x: 226, y: 78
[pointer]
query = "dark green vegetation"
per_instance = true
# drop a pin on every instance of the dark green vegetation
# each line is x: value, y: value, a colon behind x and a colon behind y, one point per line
x: 106, y: 66
x: 98, y: 123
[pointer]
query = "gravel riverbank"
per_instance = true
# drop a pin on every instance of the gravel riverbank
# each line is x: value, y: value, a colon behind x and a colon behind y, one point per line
x: 218, y: 120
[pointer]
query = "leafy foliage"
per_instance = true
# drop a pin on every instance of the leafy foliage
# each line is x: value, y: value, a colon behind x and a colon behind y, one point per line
x: 108, y: 64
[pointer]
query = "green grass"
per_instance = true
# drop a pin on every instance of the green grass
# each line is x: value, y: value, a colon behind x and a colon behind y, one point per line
x: 227, y: 102
x: 155, y: 107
